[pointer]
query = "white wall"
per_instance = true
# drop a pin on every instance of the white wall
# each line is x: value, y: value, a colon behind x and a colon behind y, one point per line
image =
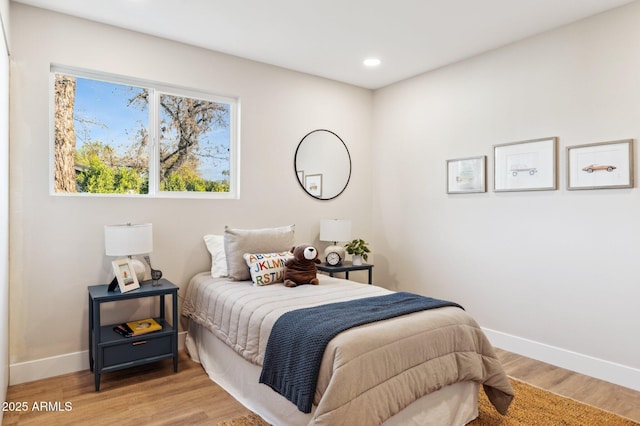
x: 548, y: 274
x: 57, y: 243
x: 553, y: 274
x: 4, y: 202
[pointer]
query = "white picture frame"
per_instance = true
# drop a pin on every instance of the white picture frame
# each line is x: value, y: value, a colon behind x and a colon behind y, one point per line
x: 125, y: 274
x: 467, y: 175
x: 313, y: 185
x: 602, y: 165
x: 526, y: 166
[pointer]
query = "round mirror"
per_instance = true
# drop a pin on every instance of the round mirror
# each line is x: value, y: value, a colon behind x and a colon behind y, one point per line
x: 322, y: 164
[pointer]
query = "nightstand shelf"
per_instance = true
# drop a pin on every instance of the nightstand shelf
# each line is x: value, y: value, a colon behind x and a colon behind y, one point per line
x: 110, y: 351
x: 346, y: 267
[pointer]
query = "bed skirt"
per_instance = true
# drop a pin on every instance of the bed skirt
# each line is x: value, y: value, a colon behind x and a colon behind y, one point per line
x: 456, y: 404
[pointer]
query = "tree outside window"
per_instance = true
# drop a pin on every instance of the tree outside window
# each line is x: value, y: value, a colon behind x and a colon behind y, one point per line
x: 102, y: 134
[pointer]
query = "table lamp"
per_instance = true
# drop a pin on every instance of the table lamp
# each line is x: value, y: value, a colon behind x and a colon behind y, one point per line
x: 335, y: 230
x: 129, y: 240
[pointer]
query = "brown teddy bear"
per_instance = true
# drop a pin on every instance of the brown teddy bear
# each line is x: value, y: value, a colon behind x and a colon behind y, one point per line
x: 301, y: 269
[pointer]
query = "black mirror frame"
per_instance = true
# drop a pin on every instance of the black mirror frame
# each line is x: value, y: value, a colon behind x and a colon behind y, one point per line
x: 295, y: 170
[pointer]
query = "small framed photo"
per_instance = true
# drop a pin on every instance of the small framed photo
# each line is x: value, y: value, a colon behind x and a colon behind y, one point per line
x: 600, y: 165
x: 467, y: 175
x: 125, y: 274
x: 526, y: 166
x: 313, y: 185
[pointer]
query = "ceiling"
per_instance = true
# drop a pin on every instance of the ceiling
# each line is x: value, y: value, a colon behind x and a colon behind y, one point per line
x: 331, y: 38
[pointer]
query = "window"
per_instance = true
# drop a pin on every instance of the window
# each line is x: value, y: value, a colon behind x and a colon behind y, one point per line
x: 113, y: 135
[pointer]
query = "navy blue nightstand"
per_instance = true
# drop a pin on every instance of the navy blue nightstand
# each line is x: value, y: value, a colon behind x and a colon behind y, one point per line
x: 109, y: 351
x: 346, y: 267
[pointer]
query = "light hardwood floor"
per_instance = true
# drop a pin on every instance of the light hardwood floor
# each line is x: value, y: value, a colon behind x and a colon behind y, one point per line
x: 154, y: 395
x: 601, y: 394
x: 148, y: 395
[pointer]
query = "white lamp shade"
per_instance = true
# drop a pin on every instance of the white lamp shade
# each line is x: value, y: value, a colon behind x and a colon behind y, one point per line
x: 128, y: 240
x: 335, y: 230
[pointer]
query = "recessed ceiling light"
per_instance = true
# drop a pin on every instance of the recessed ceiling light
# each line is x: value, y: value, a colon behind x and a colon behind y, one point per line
x: 371, y: 62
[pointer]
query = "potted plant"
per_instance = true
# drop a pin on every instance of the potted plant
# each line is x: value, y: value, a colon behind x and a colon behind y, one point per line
x: 359, y: 250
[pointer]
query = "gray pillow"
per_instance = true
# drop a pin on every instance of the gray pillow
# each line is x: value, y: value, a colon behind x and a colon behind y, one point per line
x: 237, y: 242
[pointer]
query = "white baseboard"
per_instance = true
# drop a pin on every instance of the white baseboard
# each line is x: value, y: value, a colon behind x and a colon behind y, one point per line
x: 601, y: 369
x: 612, y: 372
x: 29, y: 371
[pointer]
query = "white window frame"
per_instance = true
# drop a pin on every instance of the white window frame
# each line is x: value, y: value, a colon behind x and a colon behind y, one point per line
x: 155, y: 90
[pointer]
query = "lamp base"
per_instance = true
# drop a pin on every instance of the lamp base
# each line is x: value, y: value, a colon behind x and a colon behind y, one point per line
x: 335, y: 249
x: 139, y: 268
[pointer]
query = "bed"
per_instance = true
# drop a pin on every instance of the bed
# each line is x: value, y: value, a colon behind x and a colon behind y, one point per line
x: 424, y: 368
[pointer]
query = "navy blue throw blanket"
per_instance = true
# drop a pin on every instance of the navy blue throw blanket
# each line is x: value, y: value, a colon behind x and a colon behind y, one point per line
x: 298, y: 339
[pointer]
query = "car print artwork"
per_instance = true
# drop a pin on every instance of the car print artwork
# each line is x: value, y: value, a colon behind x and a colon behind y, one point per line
x: 530, y: 170
x: 598, y: 167
x: 464, y: 179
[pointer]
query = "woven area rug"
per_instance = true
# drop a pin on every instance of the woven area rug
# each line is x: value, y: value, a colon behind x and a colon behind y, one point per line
x: 531, y: 406
x: 535, y: 406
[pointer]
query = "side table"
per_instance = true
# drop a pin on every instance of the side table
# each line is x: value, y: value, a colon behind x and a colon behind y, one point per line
x: 346, y: 267
x: 110, y: 351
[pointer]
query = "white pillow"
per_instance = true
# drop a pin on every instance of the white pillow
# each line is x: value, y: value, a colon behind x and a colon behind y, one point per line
x: 237, y: 242
x: 215, y: 245
x: 267, y: 268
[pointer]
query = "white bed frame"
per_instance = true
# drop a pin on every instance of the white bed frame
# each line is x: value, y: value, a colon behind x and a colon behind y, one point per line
x: 456, y: 404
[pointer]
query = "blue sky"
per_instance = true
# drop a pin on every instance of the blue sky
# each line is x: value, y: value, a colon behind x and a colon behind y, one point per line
x: 106, y: 106
x: 106, y: 103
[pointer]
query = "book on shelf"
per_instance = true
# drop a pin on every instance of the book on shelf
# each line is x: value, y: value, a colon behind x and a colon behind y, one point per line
x: 138, y: 327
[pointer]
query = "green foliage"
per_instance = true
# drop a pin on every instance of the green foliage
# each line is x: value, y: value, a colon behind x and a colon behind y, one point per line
x: 188, y: 180
x: 218, y: 186
x: 174, y: 182
x: 91, y: 150
x: 99, y: 170
x: 97, y: 178
x: 193, y: 182
x: 358, y: 247
x: 94, y: 175
x: 128, y: 181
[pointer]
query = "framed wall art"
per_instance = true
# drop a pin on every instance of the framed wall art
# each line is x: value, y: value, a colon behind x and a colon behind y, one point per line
x: 313, y: 185
x: 600, y: 165
x: 467, y: 175
x: 526, y: 166
x: 125, y: 274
